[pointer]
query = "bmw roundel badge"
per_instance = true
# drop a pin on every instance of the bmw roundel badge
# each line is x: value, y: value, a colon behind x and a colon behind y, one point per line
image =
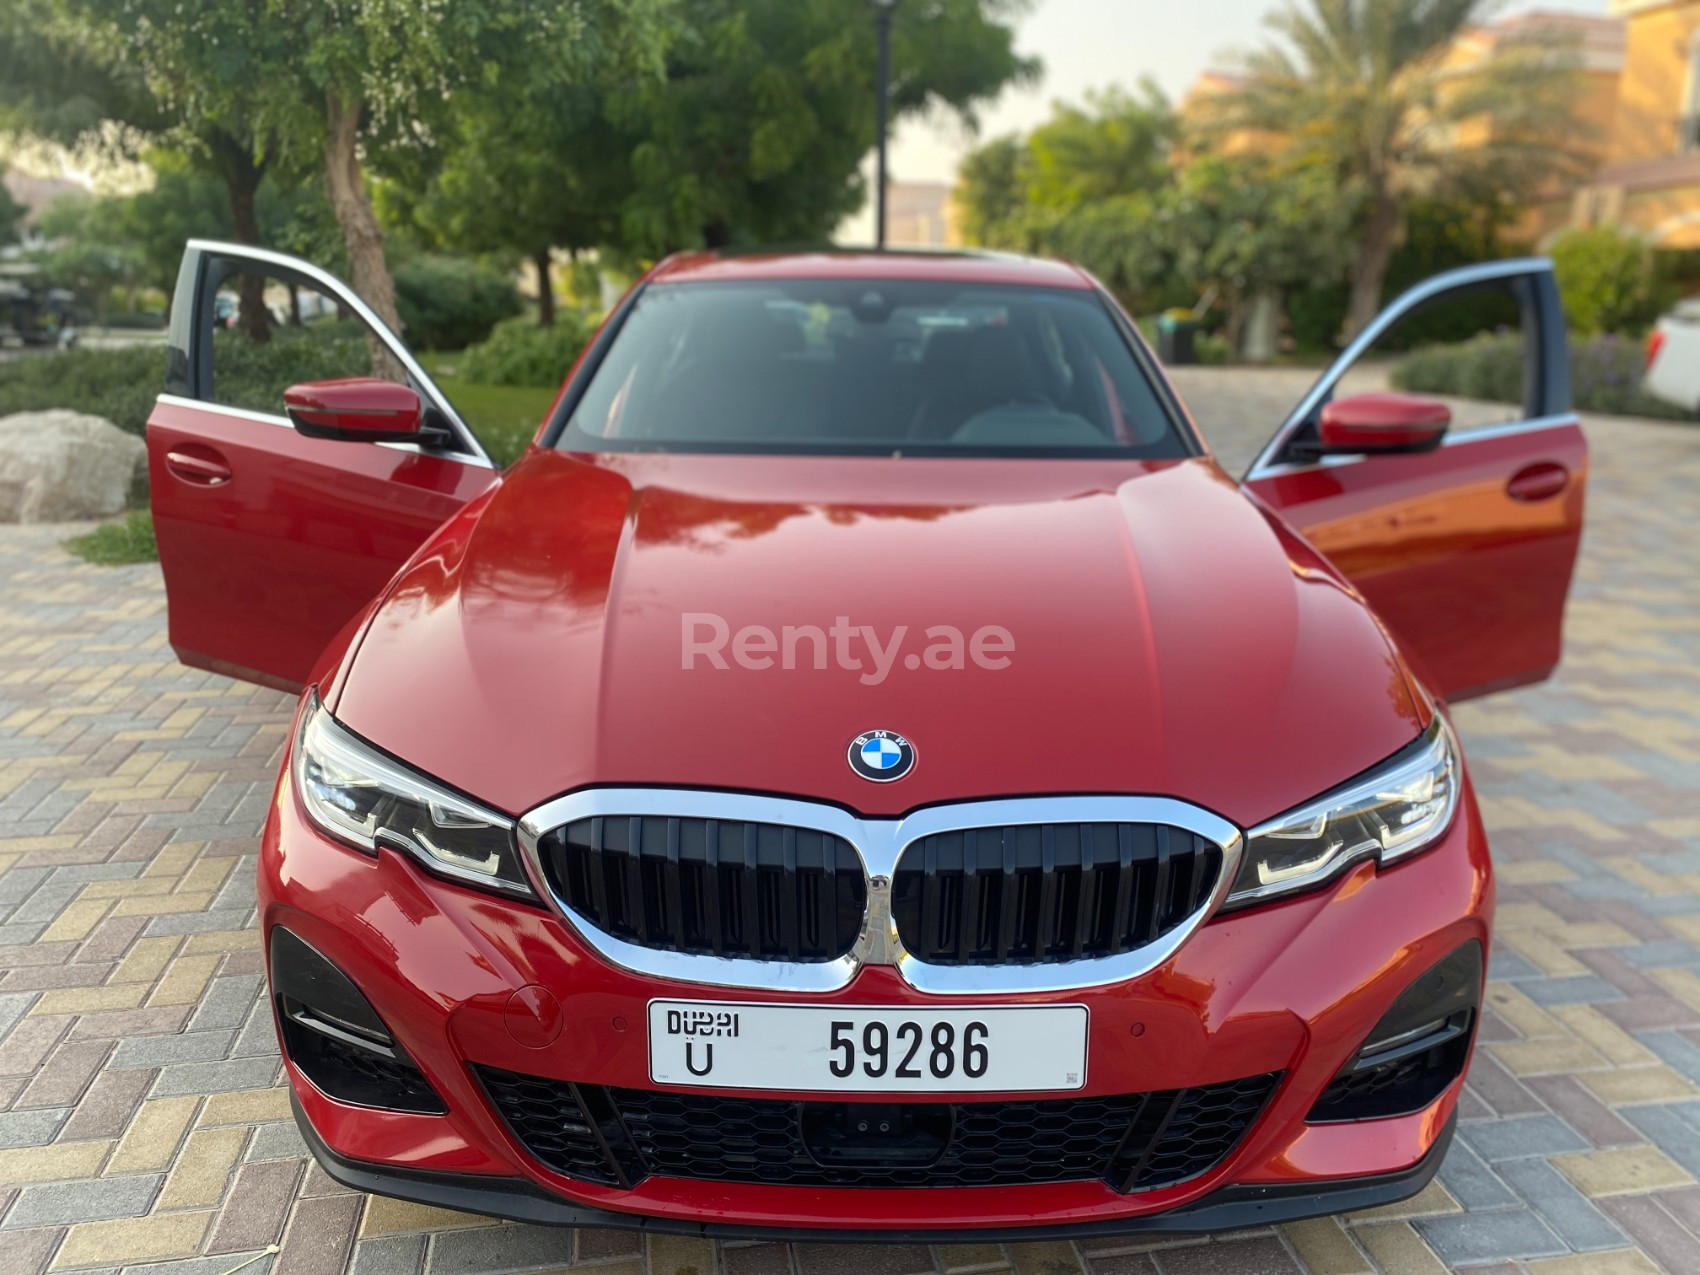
x: 881, y: 756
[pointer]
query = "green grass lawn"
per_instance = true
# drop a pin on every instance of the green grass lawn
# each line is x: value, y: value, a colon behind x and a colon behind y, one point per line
x: 503, y: 416
x: 118, y: 544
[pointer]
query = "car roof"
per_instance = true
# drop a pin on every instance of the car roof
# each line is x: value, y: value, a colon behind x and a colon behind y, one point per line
x: 1004, y: 269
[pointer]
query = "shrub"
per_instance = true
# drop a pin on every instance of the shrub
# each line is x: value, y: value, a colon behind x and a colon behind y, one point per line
x: 255, y: 376
x: 520, y: 352
x: 118, y: 384
x: 449, y: 302
x: 142, y: 320
x: 1607, y: 280
x: 121, y: 384
x: 1605, y: 373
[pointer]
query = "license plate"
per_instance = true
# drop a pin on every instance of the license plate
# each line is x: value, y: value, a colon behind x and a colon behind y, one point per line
x: 867, y: 1049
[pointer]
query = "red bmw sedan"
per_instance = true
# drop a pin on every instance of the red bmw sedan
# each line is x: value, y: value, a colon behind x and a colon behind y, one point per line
x: 866, y: 768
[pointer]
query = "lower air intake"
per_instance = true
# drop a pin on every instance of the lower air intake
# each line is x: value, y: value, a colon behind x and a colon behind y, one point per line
x: 1132, y: 1142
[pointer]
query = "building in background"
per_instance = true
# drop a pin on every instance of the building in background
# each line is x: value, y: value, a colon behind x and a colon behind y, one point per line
x: 1199, y: 101
x: 1596, y: 45
x: 1650, y: 182
x: 35, y: 194
x: 1637, y: 111
x: 920, y: 215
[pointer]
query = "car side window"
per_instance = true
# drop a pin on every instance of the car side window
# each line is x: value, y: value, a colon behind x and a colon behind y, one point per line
x: 1486, y: 322
x: 272, y: 329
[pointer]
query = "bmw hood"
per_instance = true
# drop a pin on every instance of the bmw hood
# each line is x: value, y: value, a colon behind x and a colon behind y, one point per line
x: 736, y: 622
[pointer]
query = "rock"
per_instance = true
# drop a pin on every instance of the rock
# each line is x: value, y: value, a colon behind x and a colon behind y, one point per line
x: 61, y: 466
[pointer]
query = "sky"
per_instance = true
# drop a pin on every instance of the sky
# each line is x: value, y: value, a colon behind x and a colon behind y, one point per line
x: 1088, y: 44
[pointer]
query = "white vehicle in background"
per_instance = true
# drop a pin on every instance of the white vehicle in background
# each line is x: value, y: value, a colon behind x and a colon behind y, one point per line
x: 1673, y: 358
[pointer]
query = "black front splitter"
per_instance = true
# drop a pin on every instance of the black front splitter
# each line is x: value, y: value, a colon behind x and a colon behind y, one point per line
x: 1231, y: 1208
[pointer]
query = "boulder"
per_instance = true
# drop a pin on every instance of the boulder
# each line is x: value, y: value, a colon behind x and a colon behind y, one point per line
x: 61, y: 466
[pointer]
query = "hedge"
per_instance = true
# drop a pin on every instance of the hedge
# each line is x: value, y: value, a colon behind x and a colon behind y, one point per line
x: 118, y: 384
x: 521, y: 352
x: 448, y: 302
x: 1605, y: 374
x: 121, y: 384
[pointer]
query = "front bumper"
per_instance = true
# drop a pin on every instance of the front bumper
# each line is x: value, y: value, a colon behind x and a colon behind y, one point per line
x: 1293, y: 988
x: 1228, y: 1208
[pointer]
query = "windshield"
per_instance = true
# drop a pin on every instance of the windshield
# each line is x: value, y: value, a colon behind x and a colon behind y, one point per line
x: 846, y: 366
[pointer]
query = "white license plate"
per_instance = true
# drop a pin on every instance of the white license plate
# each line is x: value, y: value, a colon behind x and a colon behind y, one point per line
x: 867, y: 1049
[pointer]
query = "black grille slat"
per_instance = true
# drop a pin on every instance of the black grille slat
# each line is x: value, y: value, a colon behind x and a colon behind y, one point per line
x: 789, y: 938
x: 1041, y: 893
x: 635, y: 897
x: 1124, y: 883
x: 749, y: 921
x: 1006, y: 888
x: 715, y: 932
x: 673, y: 885
x: 1131, y: 1142
x: 593, y: 869
x: 1159, y: 886
x: 717, y: 887
x: 1086, y: 893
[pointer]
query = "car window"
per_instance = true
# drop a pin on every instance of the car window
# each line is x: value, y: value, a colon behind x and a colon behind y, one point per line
x: 858, y: 365
x: 271, y: 330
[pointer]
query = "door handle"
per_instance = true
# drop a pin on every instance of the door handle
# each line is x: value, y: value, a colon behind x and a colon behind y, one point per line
x: 205, y: 470
x: 1540, y: 481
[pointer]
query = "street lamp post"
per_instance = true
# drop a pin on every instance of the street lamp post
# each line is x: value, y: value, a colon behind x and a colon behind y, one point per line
x: 882, y: 15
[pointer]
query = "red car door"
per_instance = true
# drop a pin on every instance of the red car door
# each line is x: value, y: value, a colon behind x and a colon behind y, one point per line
x: 272, y: 541
x: 1464, y: 549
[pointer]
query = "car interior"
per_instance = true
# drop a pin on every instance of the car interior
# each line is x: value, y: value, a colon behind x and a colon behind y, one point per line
x: 901, y: 365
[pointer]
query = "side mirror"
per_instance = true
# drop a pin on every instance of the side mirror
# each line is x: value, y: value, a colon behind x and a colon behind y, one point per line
x: 356, y: 409
x: 1382, y: 422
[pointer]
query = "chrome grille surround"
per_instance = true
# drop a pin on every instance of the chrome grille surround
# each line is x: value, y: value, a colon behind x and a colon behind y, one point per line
x: 880, y: 843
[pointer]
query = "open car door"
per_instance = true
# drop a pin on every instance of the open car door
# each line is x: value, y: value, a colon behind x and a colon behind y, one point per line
x: 274, y: 528
x: 1461, y: 536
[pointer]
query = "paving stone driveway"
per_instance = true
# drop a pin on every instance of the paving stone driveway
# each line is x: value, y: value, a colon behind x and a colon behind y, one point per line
x: 142, y: 1126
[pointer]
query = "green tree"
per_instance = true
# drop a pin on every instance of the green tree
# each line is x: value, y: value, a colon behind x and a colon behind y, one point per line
x: 757, y: 131
x: 1607, y: 280
x: 86, y: 252
x: 185, y: 201
x: 524, y: 171
x: 1077, y: 185
x: 335, y: 82
x: 74, y: 71
x: 1363, y: 87
x: 991, y: 192
x: 1237, y: 228
x: 1116, y: 145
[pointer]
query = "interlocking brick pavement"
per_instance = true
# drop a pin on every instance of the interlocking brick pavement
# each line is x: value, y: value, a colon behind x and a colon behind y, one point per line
x: 142, y: 1126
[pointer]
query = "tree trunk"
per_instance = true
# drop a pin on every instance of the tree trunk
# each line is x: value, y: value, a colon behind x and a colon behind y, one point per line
x: 252, y: 319
x: 1369, y: 271
x: 360, y: 231
x: 234, y: 158
x: 545, y: 290
x: 1262, y: 340
x: 1233, y: 321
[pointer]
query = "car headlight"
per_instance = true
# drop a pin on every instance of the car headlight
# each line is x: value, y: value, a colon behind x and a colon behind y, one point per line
x: 358, y: 795
x: 1392, y: 812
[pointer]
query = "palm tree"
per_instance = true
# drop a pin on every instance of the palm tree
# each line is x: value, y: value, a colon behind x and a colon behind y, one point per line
x: 1371, y: 88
